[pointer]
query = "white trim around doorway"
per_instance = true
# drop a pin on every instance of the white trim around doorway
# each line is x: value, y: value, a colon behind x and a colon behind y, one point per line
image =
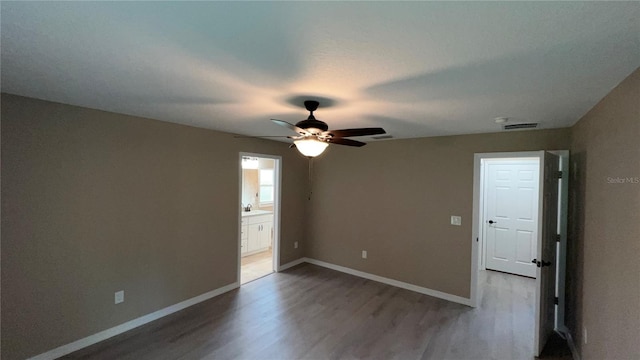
x: 277, y: 200
x: 476, y: 250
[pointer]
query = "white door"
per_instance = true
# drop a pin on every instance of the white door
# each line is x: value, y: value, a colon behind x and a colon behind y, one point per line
x: 511, y: 214
x: 546, y: 260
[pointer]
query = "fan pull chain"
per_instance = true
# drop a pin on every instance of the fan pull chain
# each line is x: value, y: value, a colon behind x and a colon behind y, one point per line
x: 310, y: 177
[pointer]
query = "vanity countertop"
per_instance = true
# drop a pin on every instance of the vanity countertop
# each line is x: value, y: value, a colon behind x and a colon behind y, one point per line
x: 256, y: 212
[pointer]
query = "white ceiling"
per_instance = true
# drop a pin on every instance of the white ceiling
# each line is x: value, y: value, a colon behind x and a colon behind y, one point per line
x: 415, y: 68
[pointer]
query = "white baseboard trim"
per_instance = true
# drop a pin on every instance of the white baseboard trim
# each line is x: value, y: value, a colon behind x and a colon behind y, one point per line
x: 291, y: 264
x: 392, y: 282
x: 572, y: 345
x: 117, y: 330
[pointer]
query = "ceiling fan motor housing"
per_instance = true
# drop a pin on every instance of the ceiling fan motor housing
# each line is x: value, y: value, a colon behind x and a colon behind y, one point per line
x: 312, y: 125
x: 314, y: 135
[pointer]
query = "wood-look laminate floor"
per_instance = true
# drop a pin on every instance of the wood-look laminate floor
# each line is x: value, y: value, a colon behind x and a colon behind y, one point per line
x: 309, y: 312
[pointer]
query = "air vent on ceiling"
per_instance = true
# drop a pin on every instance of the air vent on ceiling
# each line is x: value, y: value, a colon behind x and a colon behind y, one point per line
x: 520, y: 126
x: 382, y: 137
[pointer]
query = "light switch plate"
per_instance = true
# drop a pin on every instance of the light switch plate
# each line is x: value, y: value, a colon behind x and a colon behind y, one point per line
x: 364, y: 254
x: 119, y: 297
x: 456, y: 220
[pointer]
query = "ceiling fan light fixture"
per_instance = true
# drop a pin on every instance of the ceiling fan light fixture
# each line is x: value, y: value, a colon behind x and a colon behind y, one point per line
x: 310, y: 147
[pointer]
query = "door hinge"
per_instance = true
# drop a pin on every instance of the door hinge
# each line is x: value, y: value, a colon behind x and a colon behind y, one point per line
x: 558, y: 237
x: 558, y: 175
x: 556, y: 300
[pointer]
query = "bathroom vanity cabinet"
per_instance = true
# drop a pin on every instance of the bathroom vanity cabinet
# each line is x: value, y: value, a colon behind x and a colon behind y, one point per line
x: 256, y: 231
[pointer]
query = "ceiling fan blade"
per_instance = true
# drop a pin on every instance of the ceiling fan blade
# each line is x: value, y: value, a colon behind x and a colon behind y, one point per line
x: 348, y: 142
x: 355, y: 132
x: 258, y: 137
x: 292, y: 127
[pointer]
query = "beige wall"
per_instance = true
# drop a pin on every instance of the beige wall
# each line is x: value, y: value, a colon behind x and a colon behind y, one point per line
x: 395, y: 198
x: 95, y: 202
x: 603, y: 279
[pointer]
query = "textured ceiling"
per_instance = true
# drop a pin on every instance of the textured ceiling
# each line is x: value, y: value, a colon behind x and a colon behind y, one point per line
x: 415, y: 68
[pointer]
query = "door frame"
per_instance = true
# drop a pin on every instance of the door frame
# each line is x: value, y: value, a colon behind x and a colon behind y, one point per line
x: 478, y: 185
x: 476, y: 250
x: 561, y: 254
x: 277, y: 200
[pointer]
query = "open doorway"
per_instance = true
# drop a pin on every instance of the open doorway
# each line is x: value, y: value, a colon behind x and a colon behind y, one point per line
x: 518, y: 228
x: 508, y: 239
x: 259, y: 216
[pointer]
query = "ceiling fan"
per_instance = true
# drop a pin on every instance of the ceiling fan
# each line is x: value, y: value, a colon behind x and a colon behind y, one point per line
x: 314, y: 135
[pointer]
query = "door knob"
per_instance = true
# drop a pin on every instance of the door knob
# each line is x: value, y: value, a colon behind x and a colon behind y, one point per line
x: 541, y: 263
x: 492, y: 222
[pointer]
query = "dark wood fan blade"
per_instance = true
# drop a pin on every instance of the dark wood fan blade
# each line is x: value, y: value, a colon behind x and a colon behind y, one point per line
x: 292, y: 127
x: 258, y: 137
x: 348, y: 142
x: 355, y: 132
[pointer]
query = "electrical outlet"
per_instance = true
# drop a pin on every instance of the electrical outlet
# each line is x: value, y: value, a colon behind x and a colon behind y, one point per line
x: 295, y: 245
x: 119, y: 296
x: 364, y: 254
x: 584, y: 334
x: 456, y: 220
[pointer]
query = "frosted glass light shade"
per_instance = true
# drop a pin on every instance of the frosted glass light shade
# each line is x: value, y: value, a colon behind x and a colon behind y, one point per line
x: 310, y: 147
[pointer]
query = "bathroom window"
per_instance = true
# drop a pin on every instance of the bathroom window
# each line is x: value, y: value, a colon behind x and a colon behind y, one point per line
x: 266, y: 186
